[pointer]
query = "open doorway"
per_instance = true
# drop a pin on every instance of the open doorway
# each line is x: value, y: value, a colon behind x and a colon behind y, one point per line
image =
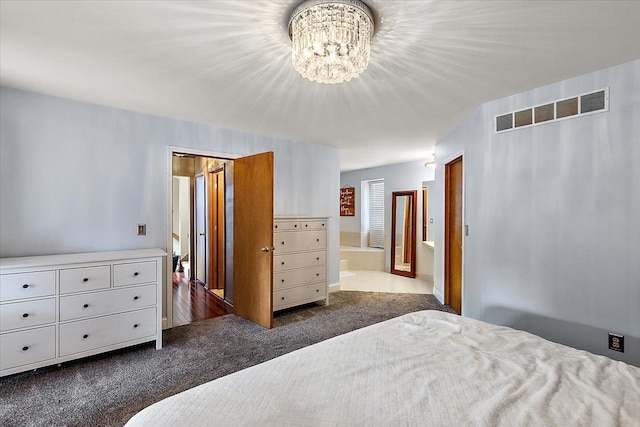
x: 199, y: 238
x: 246, y: 276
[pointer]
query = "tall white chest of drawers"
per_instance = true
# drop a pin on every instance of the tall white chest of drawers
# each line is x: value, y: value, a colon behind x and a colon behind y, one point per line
x: 62, y: 307
x: 299, y: 261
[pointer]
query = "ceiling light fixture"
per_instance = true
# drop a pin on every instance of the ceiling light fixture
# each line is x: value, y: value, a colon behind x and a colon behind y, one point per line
x: 431, y: 163
x: 331, y: 39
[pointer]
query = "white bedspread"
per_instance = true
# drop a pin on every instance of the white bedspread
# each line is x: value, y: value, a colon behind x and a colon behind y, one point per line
x: 422, y: 369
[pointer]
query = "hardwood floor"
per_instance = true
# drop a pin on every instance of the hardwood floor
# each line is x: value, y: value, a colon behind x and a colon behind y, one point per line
x: 193, y: 302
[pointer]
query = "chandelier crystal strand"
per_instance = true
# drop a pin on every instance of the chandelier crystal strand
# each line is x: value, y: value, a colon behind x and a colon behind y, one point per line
x: 331, y: 39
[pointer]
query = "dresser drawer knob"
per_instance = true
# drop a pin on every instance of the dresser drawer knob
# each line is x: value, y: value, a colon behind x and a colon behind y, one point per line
x: 282, y: 298
x: 136, y: 273
x: 317, y: 290
x: 25, y: 315
x: 318, y: 274
x: 276, y: 226
x: 25, y: 286
x: 295, y: 226
x: 86, y: 306
x: 282, y: 243
x: 25, y: 348
x: 136, y: 298
x: 317, y: 258
x: 86, y: 279
x: 282, y: 280
x: 317, y: 240
x: 135, y: 326
x: 282, y: 262
x: 306, y: 225
x: 85, y: 336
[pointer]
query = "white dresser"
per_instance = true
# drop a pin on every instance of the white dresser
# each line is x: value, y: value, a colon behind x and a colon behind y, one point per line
x: 57, y: 308
x: 299, y: 261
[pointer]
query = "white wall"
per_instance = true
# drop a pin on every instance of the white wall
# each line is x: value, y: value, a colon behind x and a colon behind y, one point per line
x: 79, y: 177
x: 398, y: 177
x: 553, y: 212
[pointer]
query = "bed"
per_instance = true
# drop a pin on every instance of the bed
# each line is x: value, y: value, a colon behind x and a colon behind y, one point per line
x: 427, y: 368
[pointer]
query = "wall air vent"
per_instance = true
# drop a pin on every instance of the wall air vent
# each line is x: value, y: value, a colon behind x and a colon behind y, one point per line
x: 596, y: 102
x: 592, y: 102
x: 504, y: 122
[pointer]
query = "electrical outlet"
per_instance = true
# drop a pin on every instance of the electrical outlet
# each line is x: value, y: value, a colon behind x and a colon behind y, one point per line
x: 616, y: 342
x: 142, y: 229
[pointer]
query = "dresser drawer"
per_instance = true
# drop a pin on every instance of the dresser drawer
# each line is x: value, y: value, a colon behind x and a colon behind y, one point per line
x: 290, y: 278
x: 313, y: 225
x: 27, y: 285
x: 286, y: 226
x: 300, y: 241
x: 106, y: 302
x: 134, y: 273
x: 90, y: 334
x: 85, y: 279
x: 303, y: 259
x: 298, y: 295
x: 25, y: 347
x: 27, y: 314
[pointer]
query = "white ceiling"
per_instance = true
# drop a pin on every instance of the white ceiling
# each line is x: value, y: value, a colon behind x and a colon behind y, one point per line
x: 227, y: 63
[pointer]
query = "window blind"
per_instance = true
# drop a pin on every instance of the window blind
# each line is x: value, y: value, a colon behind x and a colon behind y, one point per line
x: 376, y: 214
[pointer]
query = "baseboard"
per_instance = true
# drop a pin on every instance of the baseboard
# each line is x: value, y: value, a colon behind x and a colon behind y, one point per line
x: 165, y: 323
x: 425, y: 277
x: 438, y: 295
x: 334, y: 287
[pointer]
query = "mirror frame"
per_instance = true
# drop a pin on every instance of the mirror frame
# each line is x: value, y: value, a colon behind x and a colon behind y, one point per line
x: 413, y: 196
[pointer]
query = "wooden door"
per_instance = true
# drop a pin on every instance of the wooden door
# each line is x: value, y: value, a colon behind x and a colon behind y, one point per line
x: 453, y: 234
x: 217, y: 229
x: 253, y: 238
x: 201, y: 230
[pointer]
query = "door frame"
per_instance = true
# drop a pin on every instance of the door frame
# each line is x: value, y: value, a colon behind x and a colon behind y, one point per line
x: 216, y: 272
x: 167, y: 319
x: 195, y: 266
x: 445, y: 290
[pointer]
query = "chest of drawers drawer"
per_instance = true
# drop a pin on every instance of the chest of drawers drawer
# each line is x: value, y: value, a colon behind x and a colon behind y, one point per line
x: 300, y: 294
x: 27, y: 285
x: 106, y: 302
x: 313, y: 225
x: 299, y: 241
x: 298, y: 260
x: 26, y: 347
x: 134, y: 273
x: 286, y: 226
x: 27, y: 314
x: 85, y: 335
x: 290, y: 278
x: 85, y: 279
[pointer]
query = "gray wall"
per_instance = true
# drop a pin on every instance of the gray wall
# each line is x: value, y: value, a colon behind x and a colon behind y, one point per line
x: 553, y: 212
x: 398, y: 177
x: 79, y: 177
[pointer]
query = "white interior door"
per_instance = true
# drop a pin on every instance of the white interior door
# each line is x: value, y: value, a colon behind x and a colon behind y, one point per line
x: 201, y: 232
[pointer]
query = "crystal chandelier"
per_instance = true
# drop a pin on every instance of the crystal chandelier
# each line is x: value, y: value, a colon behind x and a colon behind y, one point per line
x: 330, y: 39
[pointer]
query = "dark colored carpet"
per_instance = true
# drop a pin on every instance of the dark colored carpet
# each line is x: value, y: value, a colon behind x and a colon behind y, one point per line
x: 108, y: 389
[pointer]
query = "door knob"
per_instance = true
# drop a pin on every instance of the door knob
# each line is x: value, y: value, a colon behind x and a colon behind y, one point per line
x: 202, y: 234
x: 265, y: 249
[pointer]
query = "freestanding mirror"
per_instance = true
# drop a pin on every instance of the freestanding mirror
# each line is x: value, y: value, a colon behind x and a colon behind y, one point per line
x: 403, y: 233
